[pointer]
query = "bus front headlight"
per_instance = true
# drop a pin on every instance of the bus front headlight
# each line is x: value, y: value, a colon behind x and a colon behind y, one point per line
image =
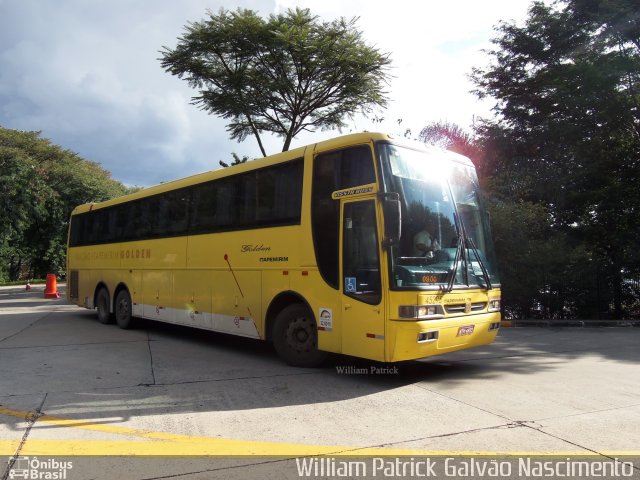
x: 494, y: 305
x: 420, y: 312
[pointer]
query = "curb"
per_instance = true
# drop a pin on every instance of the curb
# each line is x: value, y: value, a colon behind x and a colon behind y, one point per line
x: 569, y: 323
x: 21, y: 288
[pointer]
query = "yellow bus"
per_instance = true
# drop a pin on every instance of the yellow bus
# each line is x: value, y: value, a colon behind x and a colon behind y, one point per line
x: 366, y: 245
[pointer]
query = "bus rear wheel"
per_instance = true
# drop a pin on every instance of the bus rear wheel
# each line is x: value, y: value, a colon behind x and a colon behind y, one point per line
x: 123, y: 309
x: 295, y: 337
x: 103, y: 307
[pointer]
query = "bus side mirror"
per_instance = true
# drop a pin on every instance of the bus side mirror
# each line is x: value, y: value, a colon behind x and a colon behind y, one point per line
x: 392, y: 218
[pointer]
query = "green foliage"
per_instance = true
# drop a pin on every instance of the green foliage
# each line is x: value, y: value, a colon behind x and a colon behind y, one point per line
x: 567, y: 138
x: 288, y: 73
x: 451, y: 137
x: 41, y: 184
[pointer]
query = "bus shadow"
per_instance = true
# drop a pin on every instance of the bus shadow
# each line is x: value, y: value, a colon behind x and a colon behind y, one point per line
x: 200, y: 372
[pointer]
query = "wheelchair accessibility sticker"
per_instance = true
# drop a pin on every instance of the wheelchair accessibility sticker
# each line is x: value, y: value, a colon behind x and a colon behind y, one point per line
x: 350, y: 284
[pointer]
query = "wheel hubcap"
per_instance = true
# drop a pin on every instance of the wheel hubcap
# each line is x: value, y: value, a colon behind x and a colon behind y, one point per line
x: 123, y: 308
x: 299, y: 335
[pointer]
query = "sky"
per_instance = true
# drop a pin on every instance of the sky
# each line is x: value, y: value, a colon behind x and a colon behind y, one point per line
x: 86, y: 74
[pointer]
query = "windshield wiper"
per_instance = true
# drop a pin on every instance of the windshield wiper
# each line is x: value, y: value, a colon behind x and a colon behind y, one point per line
x: 462, y: 241
x: 456, y: 260
x: 458, y: 256
x: 485, y: 272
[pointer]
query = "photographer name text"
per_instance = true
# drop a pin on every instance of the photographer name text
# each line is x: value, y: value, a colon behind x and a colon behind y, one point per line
x: 424, y: 467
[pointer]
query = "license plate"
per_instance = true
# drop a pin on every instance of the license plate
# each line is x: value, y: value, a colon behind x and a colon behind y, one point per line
x: 465, y: 330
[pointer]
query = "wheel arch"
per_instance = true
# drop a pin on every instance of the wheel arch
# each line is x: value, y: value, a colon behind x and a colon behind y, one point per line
x: 279, y: 303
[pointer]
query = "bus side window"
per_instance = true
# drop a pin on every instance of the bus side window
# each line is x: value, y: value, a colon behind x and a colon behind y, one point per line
x: 203, y: 208
x: 279, y: 194
x: 225, y: 202
x: 335, y: 170
x: 356, y: 168
x: 245, y: 204
x: 361, y: 262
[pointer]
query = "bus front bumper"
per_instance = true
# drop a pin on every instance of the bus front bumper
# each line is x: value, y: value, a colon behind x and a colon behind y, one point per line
x: 410, y: 340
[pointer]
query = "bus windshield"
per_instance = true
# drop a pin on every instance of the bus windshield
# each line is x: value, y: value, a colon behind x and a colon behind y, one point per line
x: 445, y: 240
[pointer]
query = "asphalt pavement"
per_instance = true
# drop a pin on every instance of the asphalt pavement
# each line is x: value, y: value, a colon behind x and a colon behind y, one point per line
x: 163, y: 401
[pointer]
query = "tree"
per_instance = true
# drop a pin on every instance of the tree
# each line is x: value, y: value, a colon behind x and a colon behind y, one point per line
x: 289, y: 73
x: 21, y: 184
x: 450, y: 136
x: 236, y: 160
x: 567, y: 134
x: 41, y: 184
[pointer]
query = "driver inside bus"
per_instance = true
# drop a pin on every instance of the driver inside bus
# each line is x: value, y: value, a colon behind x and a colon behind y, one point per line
x: 424, y: 244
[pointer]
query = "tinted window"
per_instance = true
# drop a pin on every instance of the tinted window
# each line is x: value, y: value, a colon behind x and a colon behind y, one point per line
x: 266, y: 197
x: 279, y: 194
x: 204, y: 203
x: 170, y: 213
x: 355, y: 168
x: 333, y: 171
x: 361, y: 263
x: 245, y: 199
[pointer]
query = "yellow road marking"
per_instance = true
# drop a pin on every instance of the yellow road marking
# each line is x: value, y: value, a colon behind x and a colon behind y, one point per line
x: 171, y: 444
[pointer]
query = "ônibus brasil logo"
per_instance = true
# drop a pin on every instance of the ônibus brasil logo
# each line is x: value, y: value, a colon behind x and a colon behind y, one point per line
x: 35, y: 469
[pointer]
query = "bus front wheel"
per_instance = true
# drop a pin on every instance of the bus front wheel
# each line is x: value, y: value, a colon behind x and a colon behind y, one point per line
x: 295, y: 337
x: 102, y: 305
x: 123, y: 309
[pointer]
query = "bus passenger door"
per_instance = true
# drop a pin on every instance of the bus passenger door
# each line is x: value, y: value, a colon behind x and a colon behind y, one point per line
x: 362, y: 312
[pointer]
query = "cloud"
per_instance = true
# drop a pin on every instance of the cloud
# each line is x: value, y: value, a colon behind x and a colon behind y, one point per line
x: 433, y: 45
x: 87, y: 75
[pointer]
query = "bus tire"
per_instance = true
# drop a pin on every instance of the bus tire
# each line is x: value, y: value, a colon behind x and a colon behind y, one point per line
x: 123, y: 310
x: 103, y: 306
x: 295, y: 337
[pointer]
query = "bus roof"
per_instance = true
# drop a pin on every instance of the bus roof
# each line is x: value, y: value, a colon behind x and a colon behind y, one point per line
x: 331, y: 144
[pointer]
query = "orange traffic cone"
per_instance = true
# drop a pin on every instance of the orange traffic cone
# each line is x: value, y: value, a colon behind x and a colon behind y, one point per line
x: 51, y: 290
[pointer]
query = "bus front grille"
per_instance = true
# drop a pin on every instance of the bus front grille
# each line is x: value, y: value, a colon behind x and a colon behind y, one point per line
x: 465, y: 308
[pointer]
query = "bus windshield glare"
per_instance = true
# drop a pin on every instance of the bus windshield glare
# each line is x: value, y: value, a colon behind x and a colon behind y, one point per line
x: 445, y: 240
